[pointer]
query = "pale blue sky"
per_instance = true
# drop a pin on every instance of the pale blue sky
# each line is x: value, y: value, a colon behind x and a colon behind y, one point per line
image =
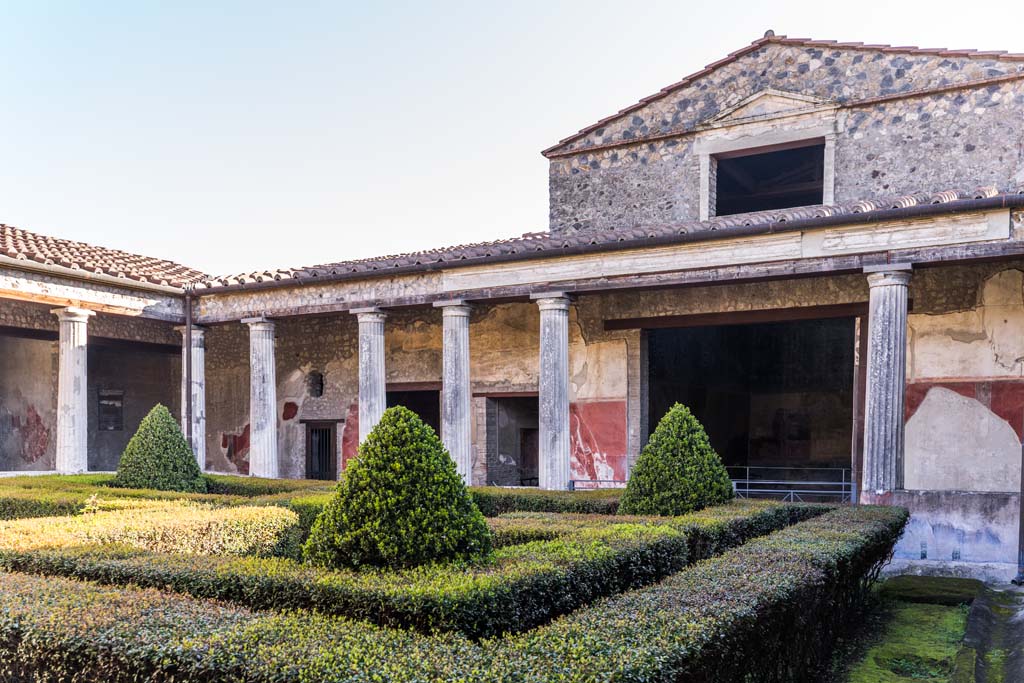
x: 233, y: 136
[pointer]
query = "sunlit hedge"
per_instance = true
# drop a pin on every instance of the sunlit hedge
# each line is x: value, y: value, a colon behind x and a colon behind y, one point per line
x: 526, y: 585
x: 161, y: 527
x: 765, y: 612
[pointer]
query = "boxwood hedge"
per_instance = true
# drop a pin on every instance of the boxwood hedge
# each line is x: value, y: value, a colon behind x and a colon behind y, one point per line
x: 182, y: 527
x: 528, y: 584
x: 496, y: 500
x: 766, y: 612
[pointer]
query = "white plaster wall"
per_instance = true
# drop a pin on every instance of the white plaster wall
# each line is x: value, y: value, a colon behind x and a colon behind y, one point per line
x: 954, y: 443
x: 986, y: 342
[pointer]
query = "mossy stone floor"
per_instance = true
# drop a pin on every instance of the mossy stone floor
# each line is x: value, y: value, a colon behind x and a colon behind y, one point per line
x: 914, y: 634
x: 938, y: 630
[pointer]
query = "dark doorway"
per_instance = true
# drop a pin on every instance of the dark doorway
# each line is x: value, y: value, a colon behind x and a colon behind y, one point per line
x: 770, y: 180
x: 424, y: 402
x: 321, y: 450
x: 513, y: 441
x: 768, y: 394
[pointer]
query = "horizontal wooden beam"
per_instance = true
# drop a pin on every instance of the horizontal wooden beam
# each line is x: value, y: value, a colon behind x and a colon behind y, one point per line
x: 106, y: 342
x: 767, y: 315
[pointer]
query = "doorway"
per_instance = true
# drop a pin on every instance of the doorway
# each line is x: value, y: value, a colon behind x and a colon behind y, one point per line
x: 321, y: 450
x: 777, y: 399
x: 513, y: 441
x: 424, y: 402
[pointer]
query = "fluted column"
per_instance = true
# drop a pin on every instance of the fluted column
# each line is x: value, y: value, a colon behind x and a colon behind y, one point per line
x: 72, y: 391
x: 262, y: 399
x: 886, y: 381
x: 372, y: 380
x: 456, y: 394
x: 553, y: 387
x: 198, y: 390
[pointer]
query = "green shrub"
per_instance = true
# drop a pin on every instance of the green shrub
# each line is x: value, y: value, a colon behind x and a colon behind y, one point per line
x: 526, y: 585
x: 677, y: 471
x: 400, y: 503
x: 766, y: 612
x: 158, y: 457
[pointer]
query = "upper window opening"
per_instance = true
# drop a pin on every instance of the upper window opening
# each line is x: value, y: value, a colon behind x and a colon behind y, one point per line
x: 770, y: 180
x: 111, y: 410
x: 315, y: 384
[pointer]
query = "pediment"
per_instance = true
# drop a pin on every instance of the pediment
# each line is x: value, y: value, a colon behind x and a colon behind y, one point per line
x: 768, y: 104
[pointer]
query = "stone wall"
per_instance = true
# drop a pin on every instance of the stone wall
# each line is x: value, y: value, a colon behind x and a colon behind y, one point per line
x: 34, y: 316
x: 897, y: 146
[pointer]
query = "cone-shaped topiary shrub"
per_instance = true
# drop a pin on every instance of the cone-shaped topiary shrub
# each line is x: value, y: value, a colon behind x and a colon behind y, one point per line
x: 400, y: 503
x: 158, y: 457
x: 677, y: 471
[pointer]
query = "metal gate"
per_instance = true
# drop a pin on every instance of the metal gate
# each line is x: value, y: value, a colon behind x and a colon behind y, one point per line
x: 321, y: 451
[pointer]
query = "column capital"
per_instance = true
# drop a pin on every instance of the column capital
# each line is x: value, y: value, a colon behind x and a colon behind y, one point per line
x: 259, y: 323
x: 454, y: 308
x: 73, y: 314
x: 197, y: 331
x: 370, y: 314
x: 889, y: 278
x: 551, y: 301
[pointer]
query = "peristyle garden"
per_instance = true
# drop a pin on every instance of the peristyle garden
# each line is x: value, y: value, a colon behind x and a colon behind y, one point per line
x: 400, y: 572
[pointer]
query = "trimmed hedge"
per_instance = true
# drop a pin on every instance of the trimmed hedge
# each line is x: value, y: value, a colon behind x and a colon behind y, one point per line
x: 766, y: 612
x: 527, y: 585
x: 497, y: 500
x: 233, y: 485
x: 158, y: 457
x: 400, y: 504
x: 162, y: 527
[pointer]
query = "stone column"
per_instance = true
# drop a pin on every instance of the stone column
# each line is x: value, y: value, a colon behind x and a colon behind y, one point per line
x: 198, y: 390
x: 372, y: 381
x: 553, y: 386
x: 262, y: 399
x: 886, y: 381
x: 72, y: 391
x: 456, y: 394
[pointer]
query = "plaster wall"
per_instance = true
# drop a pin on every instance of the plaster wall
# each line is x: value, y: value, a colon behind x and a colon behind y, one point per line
x: 28, y: 404
x: 965, y: 389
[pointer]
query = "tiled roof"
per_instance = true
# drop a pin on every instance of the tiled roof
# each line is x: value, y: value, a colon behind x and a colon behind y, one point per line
x: 770, y: 37
x: 29, y: 246
x: 546, y: 244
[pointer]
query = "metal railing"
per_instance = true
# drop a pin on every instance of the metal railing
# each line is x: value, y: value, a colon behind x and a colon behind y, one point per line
x: 805, y: 484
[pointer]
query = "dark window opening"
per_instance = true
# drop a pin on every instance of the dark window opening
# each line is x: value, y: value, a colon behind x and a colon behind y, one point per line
x: 771, y: 180
x: 111, y: 410
x: 769, y: 395
x: 315, y: 384
x: 425, y: 403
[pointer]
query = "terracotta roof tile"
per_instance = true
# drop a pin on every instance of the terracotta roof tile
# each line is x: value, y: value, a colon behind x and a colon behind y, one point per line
x: 530, y: 244
x: 29, y: 246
